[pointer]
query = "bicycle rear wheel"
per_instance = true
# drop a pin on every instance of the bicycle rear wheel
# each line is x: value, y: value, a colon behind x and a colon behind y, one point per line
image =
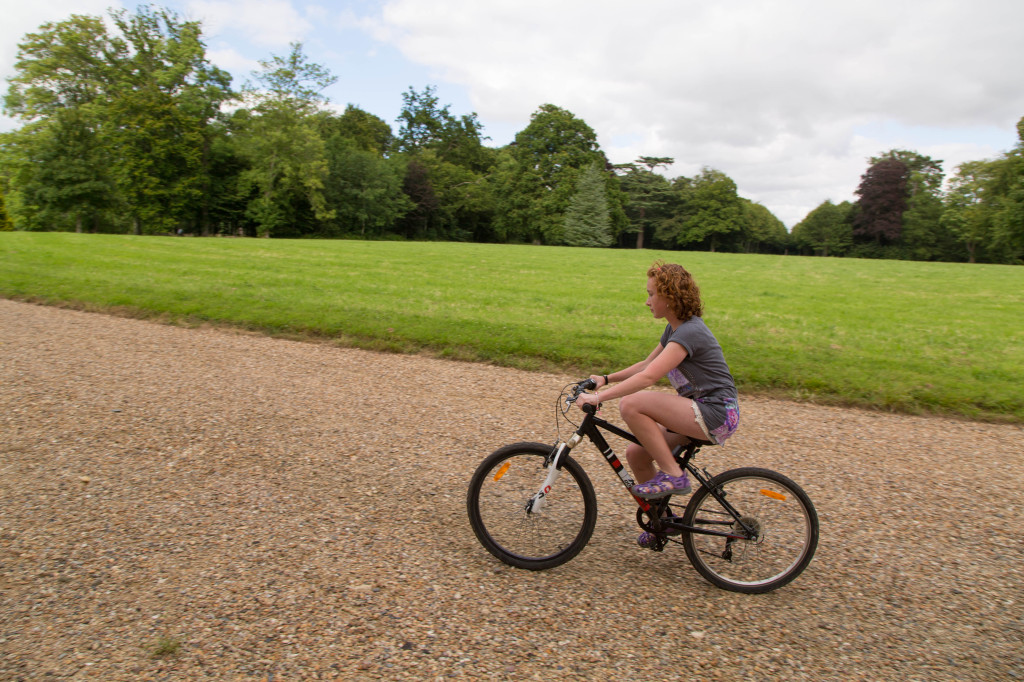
x: 781, y: 516
x: 498, y: 503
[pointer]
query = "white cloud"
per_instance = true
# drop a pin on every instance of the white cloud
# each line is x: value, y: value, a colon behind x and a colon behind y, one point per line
x: 772, y: 92
x: 230, y: 60
x: 264, y: 23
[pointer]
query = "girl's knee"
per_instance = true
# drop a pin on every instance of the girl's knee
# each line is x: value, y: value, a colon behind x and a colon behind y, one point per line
x: 636, y: 454
x: 628, y: 405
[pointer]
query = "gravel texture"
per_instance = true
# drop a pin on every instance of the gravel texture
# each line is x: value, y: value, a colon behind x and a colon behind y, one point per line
x: 189, y: 504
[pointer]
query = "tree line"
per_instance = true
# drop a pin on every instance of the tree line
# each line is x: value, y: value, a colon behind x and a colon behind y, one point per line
x: 905, y: 210
x: 130, y: 129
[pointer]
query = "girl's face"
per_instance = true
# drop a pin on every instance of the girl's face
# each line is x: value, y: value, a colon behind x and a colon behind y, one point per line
x: 657, y: 304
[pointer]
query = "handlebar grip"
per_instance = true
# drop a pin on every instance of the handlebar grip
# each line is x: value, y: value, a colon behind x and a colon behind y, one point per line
x: 590, y: 409
x: 588, y: 384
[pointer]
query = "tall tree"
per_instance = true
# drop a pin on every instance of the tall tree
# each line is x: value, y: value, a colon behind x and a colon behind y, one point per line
x: 648, y: 194
x: 921, y: 234
x: 224, y: 205
x: 883, y: 199
x: 119, y: 112
x: 164, y: 96
x: 446, y: 154
x: 423, y: 125
x: 58, y: 160
x: 547, y: 158
x: 281, y: 141
x: 466, y: 204
x: 587, y: 219
x: 760, y: 229
x: 422, y: 220
x: 968, y: 214
x: 707, y: 211
x: 826, y: 230
x: 1007, y: 188
x: 362, y: 189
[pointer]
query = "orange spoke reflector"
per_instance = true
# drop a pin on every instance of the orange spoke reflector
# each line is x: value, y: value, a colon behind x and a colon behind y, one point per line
x: 770, y: 493
x: 502, y: 470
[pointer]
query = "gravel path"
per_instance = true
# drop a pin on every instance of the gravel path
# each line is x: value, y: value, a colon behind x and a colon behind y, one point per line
x: 279, y: 510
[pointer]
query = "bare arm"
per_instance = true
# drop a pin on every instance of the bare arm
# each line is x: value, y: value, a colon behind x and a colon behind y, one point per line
x: 630, y: 371
x: 644, y: 374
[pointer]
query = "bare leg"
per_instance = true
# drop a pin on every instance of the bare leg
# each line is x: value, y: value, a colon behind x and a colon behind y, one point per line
x: 646, y: 414
x: 640, y: 461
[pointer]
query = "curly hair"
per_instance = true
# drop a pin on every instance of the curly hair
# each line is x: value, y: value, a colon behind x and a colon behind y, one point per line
x: 677, y: 286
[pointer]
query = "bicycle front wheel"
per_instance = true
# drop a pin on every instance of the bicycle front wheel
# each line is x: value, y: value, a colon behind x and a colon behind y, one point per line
x: 502, y: 509
x: 780, y: 542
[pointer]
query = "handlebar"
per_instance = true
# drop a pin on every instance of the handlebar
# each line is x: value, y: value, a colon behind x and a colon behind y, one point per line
x: 581, y: 387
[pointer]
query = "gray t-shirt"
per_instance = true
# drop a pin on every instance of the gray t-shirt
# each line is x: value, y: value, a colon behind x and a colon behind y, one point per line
x: 703, y: 374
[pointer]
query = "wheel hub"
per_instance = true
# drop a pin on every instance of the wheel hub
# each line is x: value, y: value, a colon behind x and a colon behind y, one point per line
x: 752, y: 523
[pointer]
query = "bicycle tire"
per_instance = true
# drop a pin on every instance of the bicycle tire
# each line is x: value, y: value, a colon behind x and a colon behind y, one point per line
x: 783, y: 516
x: 497, y: 502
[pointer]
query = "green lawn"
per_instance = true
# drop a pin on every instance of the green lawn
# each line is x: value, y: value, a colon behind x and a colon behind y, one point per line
x: 917, y: 337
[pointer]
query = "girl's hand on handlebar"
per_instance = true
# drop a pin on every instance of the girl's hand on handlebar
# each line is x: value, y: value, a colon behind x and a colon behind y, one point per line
x: 588, y: 399
x: 599, y: 380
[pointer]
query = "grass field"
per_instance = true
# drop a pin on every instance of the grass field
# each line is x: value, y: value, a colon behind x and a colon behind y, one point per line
x: 915, y: 337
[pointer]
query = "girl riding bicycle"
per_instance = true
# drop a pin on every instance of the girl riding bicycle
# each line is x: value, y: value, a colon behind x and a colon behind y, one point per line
x: 705, y: 406
x: 747, y: 529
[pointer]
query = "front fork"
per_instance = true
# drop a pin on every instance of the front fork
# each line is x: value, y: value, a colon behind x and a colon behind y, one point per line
x: 561, y: 450
x: 553, y: 463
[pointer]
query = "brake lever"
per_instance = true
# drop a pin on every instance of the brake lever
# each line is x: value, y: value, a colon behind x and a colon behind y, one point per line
x: 579, y: 389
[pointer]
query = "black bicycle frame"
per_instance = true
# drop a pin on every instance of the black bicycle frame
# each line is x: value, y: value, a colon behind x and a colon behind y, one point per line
x: 591, y: 427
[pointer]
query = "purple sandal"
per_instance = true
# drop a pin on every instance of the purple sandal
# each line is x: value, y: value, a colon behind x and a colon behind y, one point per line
x: 661, y: 485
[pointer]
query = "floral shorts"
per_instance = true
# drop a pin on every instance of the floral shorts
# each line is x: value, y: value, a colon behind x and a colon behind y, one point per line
x: 732, y: 418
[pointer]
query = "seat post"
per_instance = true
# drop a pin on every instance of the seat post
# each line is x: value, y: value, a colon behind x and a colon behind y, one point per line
x: 684, y: 452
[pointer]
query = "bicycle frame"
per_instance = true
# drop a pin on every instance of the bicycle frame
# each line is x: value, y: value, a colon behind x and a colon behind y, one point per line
x: 591, y: 427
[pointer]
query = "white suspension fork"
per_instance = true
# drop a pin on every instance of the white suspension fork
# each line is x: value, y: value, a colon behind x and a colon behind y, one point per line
x: 536, y: 503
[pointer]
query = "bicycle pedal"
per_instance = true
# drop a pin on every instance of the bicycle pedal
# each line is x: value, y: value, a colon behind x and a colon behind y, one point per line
x: 655, y: 543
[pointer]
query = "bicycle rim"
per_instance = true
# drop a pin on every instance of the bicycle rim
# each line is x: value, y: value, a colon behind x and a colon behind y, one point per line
x: 783, y: 521
x: 499, y: 508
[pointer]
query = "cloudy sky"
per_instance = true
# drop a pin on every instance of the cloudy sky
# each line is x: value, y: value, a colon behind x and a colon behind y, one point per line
x: 788, y: 97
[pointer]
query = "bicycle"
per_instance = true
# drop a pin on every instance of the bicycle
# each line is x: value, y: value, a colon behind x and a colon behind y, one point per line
x: 749, y: 530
